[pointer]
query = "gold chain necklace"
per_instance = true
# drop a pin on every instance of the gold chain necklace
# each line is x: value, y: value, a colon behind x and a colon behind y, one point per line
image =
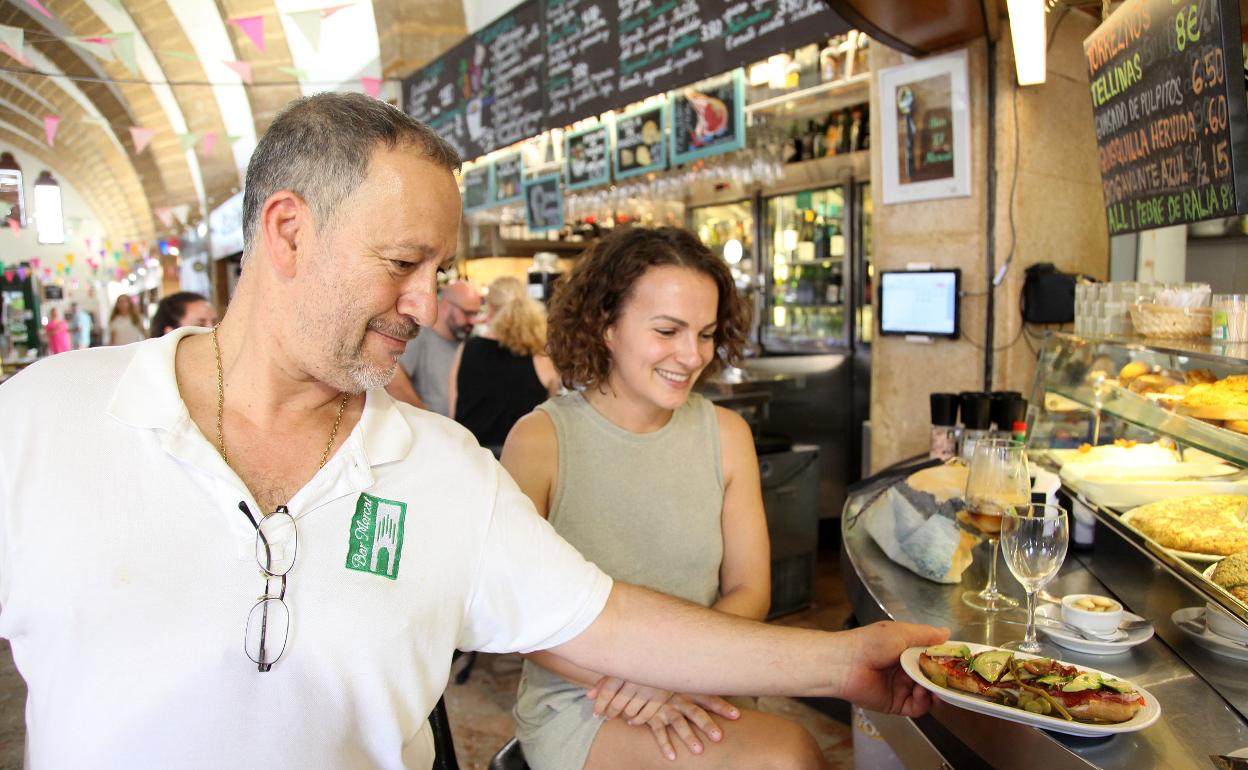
x: 216, y: 349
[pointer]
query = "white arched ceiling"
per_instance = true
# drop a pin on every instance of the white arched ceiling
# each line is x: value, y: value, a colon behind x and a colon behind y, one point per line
x: 150, y: 70
x: 71, y: 89
x: 203, y: 26
x: 349, y: 47
x: 18, y: 85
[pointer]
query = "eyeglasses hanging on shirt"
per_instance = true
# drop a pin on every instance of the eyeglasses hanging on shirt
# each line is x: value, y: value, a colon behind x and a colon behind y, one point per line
x: 268, y: 622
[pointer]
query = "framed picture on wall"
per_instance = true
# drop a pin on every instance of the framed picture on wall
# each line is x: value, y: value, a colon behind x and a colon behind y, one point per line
x: 925, y: 129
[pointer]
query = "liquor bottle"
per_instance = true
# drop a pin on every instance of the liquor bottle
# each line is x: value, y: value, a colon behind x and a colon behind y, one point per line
x: 808, y: 141
x: 793, y: 152
x: 832, y: 136
x: 819, y: 142
x: 845, y: 122
x: 855, y: 131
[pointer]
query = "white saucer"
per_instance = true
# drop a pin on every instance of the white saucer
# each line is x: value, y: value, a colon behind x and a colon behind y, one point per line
x: 1123, y: 641
x: 1209, y: 640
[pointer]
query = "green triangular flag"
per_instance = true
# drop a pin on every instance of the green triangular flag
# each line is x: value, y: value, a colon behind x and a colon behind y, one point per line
x: 176, y: 54
x: 232, y: 138
x: 188, y: 140
x: 294, y: 72
x: 123, y: 46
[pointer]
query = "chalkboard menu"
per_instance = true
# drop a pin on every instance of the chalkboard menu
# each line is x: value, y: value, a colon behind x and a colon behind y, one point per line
x: 486, y: 92
x: 548, y: 63
x: 586, y: 161
x: 508, y: 178
x: 476, y: 187
x: 640, y: 142
x: 707, y: 119
x: 1171, y: 125
x: 543, y: 203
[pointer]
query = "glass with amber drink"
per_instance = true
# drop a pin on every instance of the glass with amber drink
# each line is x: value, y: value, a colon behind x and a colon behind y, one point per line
x: 997, y: 483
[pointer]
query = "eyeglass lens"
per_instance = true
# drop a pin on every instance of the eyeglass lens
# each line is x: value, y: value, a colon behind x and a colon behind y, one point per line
x: 268, y: 622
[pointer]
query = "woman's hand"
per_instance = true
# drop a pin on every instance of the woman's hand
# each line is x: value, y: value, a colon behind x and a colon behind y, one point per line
x: 681, y: 710
x: 613, y: 697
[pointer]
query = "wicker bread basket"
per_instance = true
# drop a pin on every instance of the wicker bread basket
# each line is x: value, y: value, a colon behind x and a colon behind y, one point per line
x: 1171, y: 322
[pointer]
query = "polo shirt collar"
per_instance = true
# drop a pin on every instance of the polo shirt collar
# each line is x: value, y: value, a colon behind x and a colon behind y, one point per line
x: 147, y: 397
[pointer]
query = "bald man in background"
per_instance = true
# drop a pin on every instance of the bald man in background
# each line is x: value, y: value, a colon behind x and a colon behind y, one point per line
x: 428, y: 358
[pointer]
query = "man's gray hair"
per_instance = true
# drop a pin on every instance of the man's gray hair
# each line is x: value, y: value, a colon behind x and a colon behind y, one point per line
x: 319, y: 147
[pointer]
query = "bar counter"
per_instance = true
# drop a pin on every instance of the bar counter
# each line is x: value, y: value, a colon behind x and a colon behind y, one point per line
x: 1202, y: 695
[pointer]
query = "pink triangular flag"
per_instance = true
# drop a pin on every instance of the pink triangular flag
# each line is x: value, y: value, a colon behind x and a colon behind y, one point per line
x: 141, y: 137
x: 372, y: 86
x: 242, y: 68
x: 18, y: 55
x: 331, y: 10
x: 39, y: 7
x: 8, y: 276
x: 252, y: 27
x: 207, y: 143
x: 35, y: 262
x: 50, y: 122
x: 165, y: 214
x: 15, y: 226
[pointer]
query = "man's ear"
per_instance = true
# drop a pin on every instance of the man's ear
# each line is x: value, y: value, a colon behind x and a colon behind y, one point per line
x: 284, y: 218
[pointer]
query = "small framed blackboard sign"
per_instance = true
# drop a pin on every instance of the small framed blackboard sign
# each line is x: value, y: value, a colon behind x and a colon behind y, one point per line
x: 476, y: 187
x: 1166, y: 80
x: 708, y: 118
x: 586, y: 161
x: 543, y: 203
x: 640, y: 141
x: 508, y: 178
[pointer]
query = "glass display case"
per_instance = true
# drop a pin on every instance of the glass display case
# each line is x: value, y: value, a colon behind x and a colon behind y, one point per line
x: 728, y: 230
x: 1090, y: 392
x: 805, y: 272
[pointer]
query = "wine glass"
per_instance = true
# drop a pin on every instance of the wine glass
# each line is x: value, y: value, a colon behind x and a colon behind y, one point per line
x: 996, y: 482
x: 1034, y: 539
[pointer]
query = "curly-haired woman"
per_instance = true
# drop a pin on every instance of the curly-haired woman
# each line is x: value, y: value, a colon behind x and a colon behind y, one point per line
x: 657, y: 486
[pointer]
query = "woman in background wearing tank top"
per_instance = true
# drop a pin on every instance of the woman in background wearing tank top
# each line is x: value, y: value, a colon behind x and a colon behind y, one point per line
x: 658, y: 487
x: 499, y: 377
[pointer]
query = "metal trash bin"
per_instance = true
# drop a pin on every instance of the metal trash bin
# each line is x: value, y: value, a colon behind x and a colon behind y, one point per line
x: 790, y: 481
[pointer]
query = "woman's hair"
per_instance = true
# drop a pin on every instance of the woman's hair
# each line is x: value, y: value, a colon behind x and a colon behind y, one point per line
x: 519, y: 323
x: 171, y: 311
x: 133, y: 313
x: 591, y: 297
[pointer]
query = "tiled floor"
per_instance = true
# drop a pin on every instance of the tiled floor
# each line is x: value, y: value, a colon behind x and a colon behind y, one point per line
x: 480, y: 710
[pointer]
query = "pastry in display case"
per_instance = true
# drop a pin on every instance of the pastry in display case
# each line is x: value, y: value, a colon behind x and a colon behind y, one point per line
x: 1154, y: 439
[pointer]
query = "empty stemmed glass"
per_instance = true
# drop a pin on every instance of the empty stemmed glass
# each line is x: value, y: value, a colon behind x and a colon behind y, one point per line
x: 997, y: 481
x: 1034, y: 538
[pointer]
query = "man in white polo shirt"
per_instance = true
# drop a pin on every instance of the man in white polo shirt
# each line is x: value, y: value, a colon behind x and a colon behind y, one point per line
x: 264, y: 459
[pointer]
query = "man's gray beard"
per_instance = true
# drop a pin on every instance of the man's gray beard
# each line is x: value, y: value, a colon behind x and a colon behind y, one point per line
x: 364, y: 377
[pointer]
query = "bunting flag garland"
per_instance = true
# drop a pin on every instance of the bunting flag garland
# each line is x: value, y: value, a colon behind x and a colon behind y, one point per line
x: 331, y: 10
x: 233, y: 138
x: 15, y: 227
x: 123, y: 46
x: 309, y: 23
x: 165, y: 214
x: 39, y: 7
x: 35, y: 262
x: 141, y: 137
x: 208, y: 143
x: 372, y: 86
x: 183, y: 213
x: 188, y: 140
x: 21, y: 274
x: 117, y: 4
x: 8, y: 276
x: 294, y: 72
x: 50, y: 123
x: 13, y: 37
x: 252, y: 27
x: 242, y: 68
x: 5, y: 209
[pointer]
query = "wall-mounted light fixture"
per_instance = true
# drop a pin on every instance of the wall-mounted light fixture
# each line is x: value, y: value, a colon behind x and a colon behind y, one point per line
x: 49, y: 217
x: 1027, y: 30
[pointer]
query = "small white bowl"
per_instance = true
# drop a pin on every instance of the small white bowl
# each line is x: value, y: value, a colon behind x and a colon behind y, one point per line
x: 1221, y: 623
x: 1089, y: 620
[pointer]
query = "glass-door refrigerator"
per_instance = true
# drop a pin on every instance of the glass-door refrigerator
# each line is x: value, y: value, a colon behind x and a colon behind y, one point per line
x: 805, y: 272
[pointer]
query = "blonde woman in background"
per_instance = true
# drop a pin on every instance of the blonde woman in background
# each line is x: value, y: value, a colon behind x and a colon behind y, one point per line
x: 500, y: 376
x: 125, y: 325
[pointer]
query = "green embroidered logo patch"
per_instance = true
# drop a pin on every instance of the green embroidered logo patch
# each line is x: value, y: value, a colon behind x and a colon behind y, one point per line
x: 376, y: 538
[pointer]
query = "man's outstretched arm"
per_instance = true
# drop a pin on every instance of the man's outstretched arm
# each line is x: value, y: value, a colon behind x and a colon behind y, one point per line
x: 653, y: 639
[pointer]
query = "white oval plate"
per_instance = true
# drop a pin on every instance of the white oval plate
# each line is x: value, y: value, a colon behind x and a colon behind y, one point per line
x: 1125, y: 640
x: 1143, y: 718
x: 1209, y: 640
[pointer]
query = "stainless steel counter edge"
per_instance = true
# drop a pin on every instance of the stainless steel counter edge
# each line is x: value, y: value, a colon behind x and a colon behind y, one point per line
x: 1195, y: 720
